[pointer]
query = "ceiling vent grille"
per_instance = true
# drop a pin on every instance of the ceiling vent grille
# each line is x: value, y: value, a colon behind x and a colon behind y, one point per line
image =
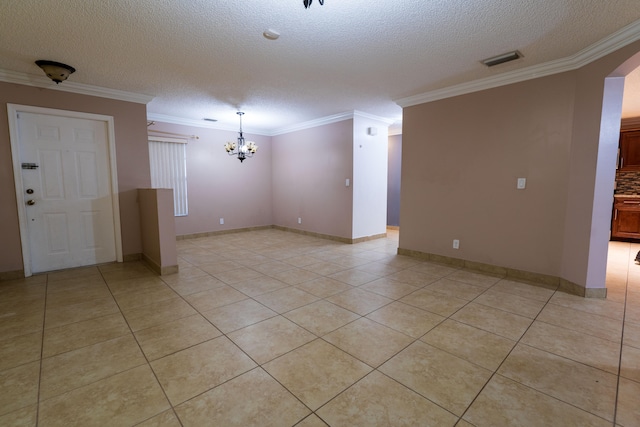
x: 501, y: 59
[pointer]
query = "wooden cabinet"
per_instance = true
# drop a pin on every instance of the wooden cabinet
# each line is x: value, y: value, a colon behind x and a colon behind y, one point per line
x: 626, y: 218
x: 630, y: 150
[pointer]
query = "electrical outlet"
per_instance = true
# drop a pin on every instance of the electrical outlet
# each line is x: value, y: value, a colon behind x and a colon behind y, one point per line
x: 521, y: 184
x: 456, y: 244
x: 221, y: 221
x: 299, y: 220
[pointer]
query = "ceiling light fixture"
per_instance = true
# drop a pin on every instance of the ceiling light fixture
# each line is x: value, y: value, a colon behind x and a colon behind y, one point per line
x: 307, y: 3
x: 242, y: 149
x: 56, y: 71
x: 501, y: 59
x: 270, y: 34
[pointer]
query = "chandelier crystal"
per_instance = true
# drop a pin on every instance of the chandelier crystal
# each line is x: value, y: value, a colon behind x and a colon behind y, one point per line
x: 242, y: 149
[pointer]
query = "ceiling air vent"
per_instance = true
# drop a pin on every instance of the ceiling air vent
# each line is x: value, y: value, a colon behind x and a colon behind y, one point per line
x: 501, y: 59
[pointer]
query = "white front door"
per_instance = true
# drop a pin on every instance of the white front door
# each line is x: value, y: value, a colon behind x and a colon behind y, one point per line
x: 67, y: 192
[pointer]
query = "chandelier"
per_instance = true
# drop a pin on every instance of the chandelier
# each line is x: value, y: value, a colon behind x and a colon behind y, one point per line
x: 242, y: 149
x: 307, y: 3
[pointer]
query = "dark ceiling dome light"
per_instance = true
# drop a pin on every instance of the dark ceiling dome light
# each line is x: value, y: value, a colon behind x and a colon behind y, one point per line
x: 56, y: 71
x: 307, y: 3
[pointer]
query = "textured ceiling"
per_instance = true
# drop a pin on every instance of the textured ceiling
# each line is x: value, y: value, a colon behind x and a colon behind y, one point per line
x: 208, y: 58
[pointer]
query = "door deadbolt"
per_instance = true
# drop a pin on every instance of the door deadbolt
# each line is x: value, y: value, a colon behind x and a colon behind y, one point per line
x: 31, y: 202
x: 29, y: 190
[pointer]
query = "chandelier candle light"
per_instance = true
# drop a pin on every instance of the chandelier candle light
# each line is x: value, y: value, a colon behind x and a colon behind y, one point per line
x: 242, y: 149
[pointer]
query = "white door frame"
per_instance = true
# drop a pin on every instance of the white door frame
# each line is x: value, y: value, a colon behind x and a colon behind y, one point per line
x: 12, y: 111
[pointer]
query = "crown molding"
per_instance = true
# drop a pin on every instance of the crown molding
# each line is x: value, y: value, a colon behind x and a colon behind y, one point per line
x: 199, y: 123
x: 73, y: 87
x: 615, y: 41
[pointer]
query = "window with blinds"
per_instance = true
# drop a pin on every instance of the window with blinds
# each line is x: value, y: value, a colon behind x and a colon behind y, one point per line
x: 168, y: 160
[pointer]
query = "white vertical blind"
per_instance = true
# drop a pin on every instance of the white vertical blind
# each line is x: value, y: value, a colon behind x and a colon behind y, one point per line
x: 168, y: 160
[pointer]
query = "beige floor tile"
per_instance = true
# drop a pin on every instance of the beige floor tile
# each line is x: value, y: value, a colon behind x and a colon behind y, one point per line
x: 81, y: 334
x: 165, y: 419
x: 30, y: 297
x: 56, y: 317
x: 405, y: 318
x: 434, y: 269
x: 23, y: 417
x: 74, y: 273
x: 271, y: 267
x: 368, y: 341
x: 630, y: 364
x: 259, y: 285
x: 587, y: 349
x: 208, y: 300
x: 316, y: 372
x: 76, y: 284
x: 602, y: 307
x: 325, y: 268
x: 389, y: 288
x: 516, y: 304
x: 504, y: 402
x: 77, y: 368
x: 359, y: 301
x: 167, y: 338
x: 452, y: 288
x: 632, y: 335
x: 196, y: 284
x: 251, y: 399
x: 19, y: 387
x: 123, y: 399
x: 135, y: 284
x: 437, y: 303
x: 138, y: 298
x: 474, y: 278
x: 324, y: 287
x: 312, y: 421
x: 628, y: 413
x: 158, y: 313
x: 270, y: 338
x: 471, y: 344
x: 197, y: 369
x: 186, y: 272
x: 77, y: 296
x: 414, y: 278
x: 238, y: 275
x: 19, y: 350
x: 127, y: 271
x: 354, y: 277
x: 286, y: 299
x: 295, y: 276
x: 321, y: 317
x: 377, y: 400
x: 579, y: 385
x: 238, y: 315
x: 632, y: 314
x: 491, y: 319
x: 301, y: 260
x: 15, y: 323
x: 540, y: 292
x: 582, y: 321
x: 449, y: 381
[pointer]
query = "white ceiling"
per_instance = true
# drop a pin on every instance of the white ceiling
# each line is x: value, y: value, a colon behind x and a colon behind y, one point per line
x: 208, y: 58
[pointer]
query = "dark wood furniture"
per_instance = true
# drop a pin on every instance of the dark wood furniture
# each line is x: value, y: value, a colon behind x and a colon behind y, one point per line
x: 626, y: 218
x: 629, y: 150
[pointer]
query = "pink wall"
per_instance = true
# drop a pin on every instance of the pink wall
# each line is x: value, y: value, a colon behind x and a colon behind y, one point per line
x: 309, y: 171
x: 131, y: 152
x: 461, y: 159
x: 219, y: 186
x: 462, y: 156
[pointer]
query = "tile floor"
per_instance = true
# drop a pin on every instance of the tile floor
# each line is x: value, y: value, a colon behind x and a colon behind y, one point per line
x: 270, y: 328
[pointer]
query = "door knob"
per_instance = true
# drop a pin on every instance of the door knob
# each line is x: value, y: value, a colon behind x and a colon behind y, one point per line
x: 31, y: 202
x: 29, y: 190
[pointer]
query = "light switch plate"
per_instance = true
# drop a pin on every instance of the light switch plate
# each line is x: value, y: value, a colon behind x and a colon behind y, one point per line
x: 522, y: 183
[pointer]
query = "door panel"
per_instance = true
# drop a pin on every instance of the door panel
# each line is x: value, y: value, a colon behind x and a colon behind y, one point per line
x: 70, y: 220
